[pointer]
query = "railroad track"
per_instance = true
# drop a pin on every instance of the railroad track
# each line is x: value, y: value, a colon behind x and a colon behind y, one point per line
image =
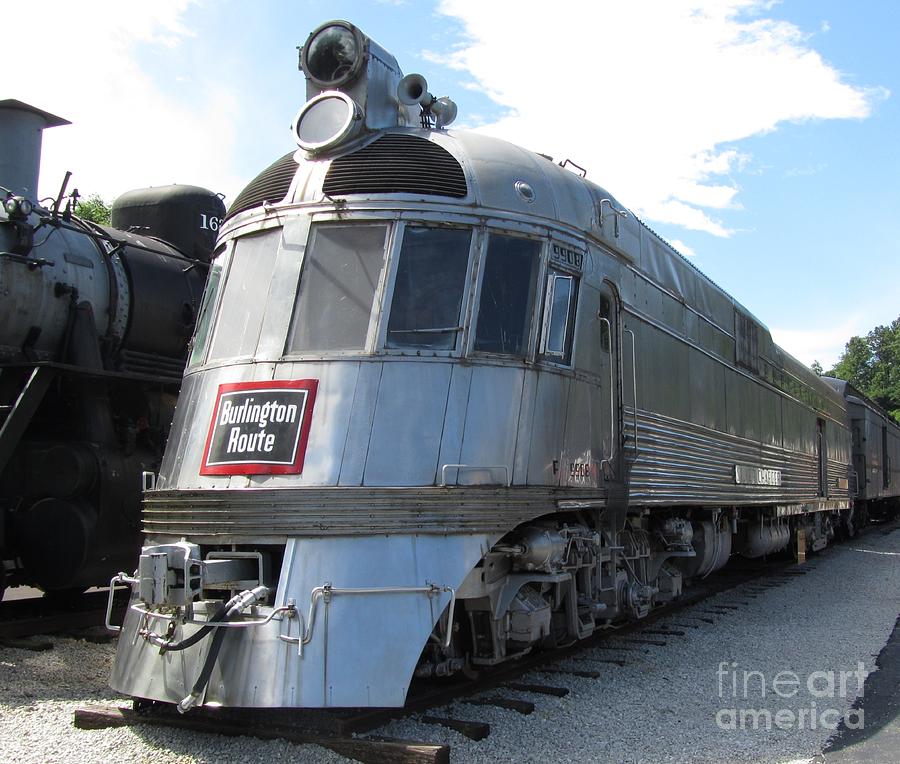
x: 37, y: 616
x: 501, y: 688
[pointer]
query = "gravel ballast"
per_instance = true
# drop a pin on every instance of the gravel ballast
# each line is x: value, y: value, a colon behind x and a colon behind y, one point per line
x: 685, y: 701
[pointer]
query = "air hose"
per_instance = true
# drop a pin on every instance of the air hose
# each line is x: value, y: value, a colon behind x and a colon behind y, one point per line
x: 231, y: 610
x: 197, y: 635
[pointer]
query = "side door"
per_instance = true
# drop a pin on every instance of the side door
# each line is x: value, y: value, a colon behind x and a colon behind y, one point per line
x: 609, y: 338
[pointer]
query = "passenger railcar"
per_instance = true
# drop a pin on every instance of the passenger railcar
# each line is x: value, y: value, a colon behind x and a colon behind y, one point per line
x: 448, y: 402
x: 876, y: 453
x: 94, y: 326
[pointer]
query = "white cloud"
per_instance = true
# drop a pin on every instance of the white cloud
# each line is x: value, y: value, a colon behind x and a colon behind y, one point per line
x: 649, y: 95
x: 128, y: 130
x: 823, y: 343
x: 683, y: 248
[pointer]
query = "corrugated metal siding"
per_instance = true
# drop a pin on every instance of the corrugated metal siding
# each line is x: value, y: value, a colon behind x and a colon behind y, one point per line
x: 282, y: 513
x: 683, y: 463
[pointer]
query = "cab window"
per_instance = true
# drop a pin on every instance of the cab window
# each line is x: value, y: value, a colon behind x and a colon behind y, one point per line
x: 559, y: 316
x: 429, y: 288
x: 244, y: 294
x: 337, y: 288
x: 207, y: 307
x: 507, y: 295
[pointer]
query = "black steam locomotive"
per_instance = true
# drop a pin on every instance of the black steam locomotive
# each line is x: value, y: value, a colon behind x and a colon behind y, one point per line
x: 95, y: 323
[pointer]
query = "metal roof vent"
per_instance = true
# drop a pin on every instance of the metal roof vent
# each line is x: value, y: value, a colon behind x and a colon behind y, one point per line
x: 271, y: 185
x: 397, y: 164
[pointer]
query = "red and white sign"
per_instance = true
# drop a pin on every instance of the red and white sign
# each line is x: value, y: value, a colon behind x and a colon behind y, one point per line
x: 259, y: 428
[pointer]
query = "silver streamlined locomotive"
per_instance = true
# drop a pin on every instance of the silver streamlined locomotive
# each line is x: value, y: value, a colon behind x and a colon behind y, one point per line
x: 94, y: 326
x: 449, y: 402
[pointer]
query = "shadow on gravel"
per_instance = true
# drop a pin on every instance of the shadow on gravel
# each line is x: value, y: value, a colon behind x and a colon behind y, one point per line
x: 878, y: 740
x: 73, y: 670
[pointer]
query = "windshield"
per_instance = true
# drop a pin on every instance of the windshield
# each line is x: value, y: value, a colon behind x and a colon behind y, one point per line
x: 428, y: 291
x: 337, y: 288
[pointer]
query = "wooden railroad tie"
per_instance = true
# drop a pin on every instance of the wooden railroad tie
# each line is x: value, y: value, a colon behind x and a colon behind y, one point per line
x: 698, y: 618
x: 571, y: 672
x: 472, y: 730
x: 541, y: 689
x: 374, y: 750
x: 522, y: 706
x: 26, y: 644
x: 644, y: 641
x: 614, y: 661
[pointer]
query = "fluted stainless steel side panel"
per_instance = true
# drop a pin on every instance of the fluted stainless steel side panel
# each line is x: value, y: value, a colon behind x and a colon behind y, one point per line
x: 683, y: 463
x: 225, y: 516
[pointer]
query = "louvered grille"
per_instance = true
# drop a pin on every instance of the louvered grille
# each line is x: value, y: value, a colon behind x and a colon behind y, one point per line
x: 397, y: 164
x: 271, y: 185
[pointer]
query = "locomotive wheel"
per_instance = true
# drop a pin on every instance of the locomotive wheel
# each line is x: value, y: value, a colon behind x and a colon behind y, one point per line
x: 54, y: 561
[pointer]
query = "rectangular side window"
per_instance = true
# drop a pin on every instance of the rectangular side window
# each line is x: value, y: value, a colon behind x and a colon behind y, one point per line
x: 746, y: 342
x: 559, y: 316
x: 429, y: 288
x: 244, y: 295
x: 337, y: 288
x: 207, y: 308
x: 605, y: 316
x: 507, y: 295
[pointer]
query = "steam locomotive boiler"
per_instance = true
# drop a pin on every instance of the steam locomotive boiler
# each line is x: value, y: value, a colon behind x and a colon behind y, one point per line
x: 94, y: 325
x: 450, y: 402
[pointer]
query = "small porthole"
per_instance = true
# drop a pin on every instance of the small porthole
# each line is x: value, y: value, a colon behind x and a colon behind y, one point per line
x: 525, y: 191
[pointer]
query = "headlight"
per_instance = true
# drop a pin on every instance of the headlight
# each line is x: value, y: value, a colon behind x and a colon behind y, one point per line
x: 333, y: 54
x: 18, y: 207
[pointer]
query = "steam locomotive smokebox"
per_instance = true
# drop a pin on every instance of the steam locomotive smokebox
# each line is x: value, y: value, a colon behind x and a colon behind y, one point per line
x: 187, y: 217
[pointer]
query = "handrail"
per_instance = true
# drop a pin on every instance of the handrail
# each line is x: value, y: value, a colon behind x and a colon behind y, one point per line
x: 326, y: 591
x: 119, y: 578
x: 634, y: 386
x: 612, y: 387
x: 472, y: 468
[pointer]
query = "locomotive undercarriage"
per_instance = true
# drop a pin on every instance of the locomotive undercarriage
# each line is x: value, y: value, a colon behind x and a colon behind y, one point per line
x: 559, y: 579
x: 204, y: 615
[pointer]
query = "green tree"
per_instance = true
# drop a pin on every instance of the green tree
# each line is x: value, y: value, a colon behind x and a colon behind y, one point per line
x: 872, y: 364
x: 93, y: 208
x: 817, y: 368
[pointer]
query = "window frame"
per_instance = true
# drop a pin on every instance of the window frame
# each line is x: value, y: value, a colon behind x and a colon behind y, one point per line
x: 232, y: 245
x: 553, y: 271
x: 316, y: 223
x: 528, y: 354
x: 391, y: 271
x: 210, y: 303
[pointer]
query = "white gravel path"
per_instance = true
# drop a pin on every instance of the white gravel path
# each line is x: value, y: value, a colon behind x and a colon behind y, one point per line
x: 662, y: 707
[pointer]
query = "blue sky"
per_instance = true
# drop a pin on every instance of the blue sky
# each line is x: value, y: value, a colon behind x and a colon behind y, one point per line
x: 760, y: 138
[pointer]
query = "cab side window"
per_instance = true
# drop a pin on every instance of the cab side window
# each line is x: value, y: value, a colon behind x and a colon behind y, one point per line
x: 507, y: 295
x: 207, y: 307
x: 246, y: 286
x: 559, y: 316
